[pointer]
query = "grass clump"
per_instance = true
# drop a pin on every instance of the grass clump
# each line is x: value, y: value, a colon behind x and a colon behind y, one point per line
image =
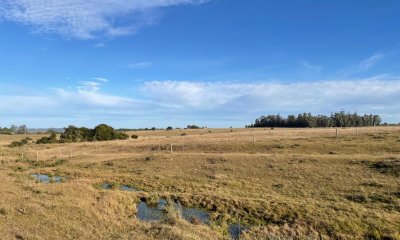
x: 172, y: 214
x: 3, y: 211
x: 391, y: 167
x: 134, y: 136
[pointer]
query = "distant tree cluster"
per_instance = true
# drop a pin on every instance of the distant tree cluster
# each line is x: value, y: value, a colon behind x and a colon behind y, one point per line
x: 14, y: 129
x: 192, y: 127
x: 307, y: 120
x: 101, y: 132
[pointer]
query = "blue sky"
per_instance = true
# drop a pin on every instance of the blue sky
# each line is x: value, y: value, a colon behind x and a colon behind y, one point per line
x: 216, y: 63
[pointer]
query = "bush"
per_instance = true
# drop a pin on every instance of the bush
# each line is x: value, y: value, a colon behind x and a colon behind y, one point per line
x: 101, y: 132
x: 169, y: 128
x: 134, y: 136
x: 104, y: 132
x: 47, y: 140
x: 16, y: 144
x: 120, y: 136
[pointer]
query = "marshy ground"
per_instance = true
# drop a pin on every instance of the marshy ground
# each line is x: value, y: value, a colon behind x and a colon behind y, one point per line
x: 273, y: 183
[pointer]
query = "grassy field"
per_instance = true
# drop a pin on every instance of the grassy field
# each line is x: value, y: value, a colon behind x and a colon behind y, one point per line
x: 277, y: 183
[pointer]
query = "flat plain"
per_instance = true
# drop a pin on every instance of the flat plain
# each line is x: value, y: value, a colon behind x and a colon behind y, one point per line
x: 274, y: 183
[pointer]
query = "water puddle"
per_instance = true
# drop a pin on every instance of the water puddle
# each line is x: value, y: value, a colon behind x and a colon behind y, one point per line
x: 106, y: 186
x: 193, y: 215
x: 146, y: 213
x: 157, y: 213
x: 235, y: 231
x: 128, y: 188
x: 44, y: 178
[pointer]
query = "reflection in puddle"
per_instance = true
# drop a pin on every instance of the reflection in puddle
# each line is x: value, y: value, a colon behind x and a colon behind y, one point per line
x: 147, y: 213
x: 129, y: 188
x: 235, y: 230
x: 193, y: 215
x: 108, y: 186
x: 44, y: 178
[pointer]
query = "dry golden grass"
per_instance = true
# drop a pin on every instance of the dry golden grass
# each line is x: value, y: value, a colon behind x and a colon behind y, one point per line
x: 286, y: 184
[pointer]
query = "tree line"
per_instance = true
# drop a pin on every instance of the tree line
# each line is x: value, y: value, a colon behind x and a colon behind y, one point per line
x: 307, y: 120
x: 14, y: 129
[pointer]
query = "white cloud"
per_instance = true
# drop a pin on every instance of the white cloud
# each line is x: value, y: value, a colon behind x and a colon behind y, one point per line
x: 88, y: 93
x: 320, y: 96
x: 88, y: 86
x: 219, y: 103
x: 85, y: 19
x: 93, y: 98
x: 140, y: 65
x: 371, y: 61
x: 100, y: 79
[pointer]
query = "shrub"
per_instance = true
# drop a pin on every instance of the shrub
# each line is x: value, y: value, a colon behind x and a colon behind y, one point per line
x: 3, y: 211
x: 16, y: 144
x: 104, y: 132
x: 47, y: 140
x: 169, y: 128
x: 134, y: 136
x: 120, y: 136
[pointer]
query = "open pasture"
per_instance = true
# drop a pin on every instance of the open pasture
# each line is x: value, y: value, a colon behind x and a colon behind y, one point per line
x: 273, y: 183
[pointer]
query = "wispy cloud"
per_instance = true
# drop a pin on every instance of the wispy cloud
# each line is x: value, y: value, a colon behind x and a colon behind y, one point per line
x: 309, y: 66
x: 99, y: 45
x: 317, y: 96
x: 100, y: 79
x: 140, y: 65
x: 371, y: 61
x: 89, y: 93
x: 86, y: 19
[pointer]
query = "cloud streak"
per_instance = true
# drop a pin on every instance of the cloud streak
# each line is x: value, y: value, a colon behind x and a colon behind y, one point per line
x: 370, y: 62
x: 140, y: 65
x: 86, y: 19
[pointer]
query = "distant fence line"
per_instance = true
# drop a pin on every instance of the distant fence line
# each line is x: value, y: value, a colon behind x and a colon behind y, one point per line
x: 187, y: 143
